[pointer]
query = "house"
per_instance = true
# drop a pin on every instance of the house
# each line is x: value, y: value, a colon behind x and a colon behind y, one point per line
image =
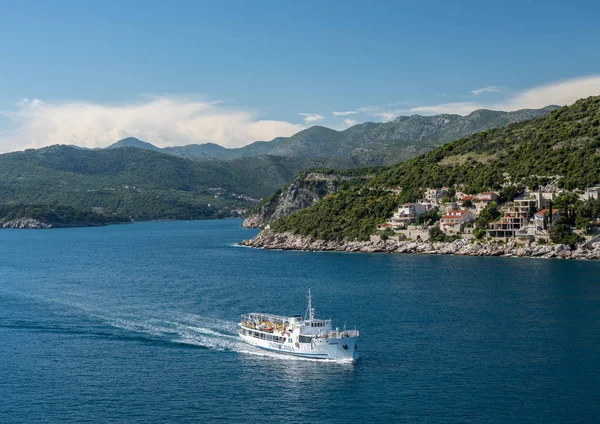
x: 465, y: 200
x: 591, y: 193
x: 515, y: 219
x: 488, y: 196
x: 453, y: 221
x: 435, y: 194
x: 483, y: 199
x: 538, y: 218
x: 427, y: 204
x: 523, y: 205
x: 407, y: 212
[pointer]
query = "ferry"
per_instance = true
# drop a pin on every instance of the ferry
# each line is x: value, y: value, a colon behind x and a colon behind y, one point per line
x: 308, y: 338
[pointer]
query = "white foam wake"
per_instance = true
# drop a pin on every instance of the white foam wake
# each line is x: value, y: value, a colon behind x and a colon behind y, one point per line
x: 195, y: 330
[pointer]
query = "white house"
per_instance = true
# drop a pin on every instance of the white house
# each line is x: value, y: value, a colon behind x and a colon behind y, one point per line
x: 407, y: 212
x: 435, y: 194
x: 591, y: 193
x: 454, y: 220
x: 538, y: 218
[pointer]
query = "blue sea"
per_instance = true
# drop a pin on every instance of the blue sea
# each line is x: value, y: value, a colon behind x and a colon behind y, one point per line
x: 137, y: 324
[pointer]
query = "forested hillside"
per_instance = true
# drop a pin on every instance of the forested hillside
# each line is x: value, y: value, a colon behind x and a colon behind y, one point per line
x: 562, y: 146
x: 134, y: 182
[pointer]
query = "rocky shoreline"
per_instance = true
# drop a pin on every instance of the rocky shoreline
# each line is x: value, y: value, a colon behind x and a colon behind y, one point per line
x: 31, y: 224
x: 461, y: 247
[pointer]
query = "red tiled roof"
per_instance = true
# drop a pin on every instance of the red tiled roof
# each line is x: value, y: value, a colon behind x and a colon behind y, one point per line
x: 543, y: 211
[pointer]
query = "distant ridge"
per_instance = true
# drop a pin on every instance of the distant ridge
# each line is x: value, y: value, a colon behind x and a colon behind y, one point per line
x: 133, y: 142
x: 365, y: 144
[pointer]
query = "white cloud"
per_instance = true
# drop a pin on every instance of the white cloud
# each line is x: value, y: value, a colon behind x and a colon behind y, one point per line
x: 460, y: 108
x: 311, y: 117
x: 163, y: 121
x: 368, y: 108
x: 386, y: 116
x: 556, y: 93
x: 349, y: 112
x: 347, y: 123
x: 488, y: 89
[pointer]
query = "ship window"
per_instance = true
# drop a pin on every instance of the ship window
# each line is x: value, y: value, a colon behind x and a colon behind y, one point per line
x: 289, y: 340
x: 304, y: 339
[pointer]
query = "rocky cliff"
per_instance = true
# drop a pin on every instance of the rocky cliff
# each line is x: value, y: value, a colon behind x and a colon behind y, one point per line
x: 304, y: 191
x: 464, y: 247
x: 23, y: 223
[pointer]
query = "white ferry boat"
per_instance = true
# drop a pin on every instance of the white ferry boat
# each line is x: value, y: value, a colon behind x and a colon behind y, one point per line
x: 309, y: 337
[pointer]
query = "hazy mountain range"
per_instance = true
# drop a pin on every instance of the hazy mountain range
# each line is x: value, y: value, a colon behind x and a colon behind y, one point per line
x: 135, y: 178
x: 363, y: 144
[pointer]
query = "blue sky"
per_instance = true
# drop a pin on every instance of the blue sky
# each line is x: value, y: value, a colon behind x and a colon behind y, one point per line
x: 234, y: 72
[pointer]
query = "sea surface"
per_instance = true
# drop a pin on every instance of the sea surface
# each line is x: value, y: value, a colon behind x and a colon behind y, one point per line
x: 137, y: 323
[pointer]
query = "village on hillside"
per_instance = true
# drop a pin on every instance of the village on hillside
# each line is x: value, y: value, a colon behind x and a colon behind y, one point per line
x: 447, y: 213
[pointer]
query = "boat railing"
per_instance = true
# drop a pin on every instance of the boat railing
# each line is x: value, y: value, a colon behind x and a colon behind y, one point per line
x: 336, y: 334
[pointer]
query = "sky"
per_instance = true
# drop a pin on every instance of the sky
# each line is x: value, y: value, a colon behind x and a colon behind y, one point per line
x: 234, y: 72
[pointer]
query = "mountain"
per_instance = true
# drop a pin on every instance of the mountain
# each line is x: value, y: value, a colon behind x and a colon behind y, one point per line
x: 133, y: 142
x: 135, y: 178
x: 390, y: 142
x: 562, y: 148
x: 140, y: 183
x: 206, y: 150
x: 364, y: 144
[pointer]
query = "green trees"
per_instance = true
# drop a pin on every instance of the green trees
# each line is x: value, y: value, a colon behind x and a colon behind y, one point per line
x: 431, y: 216
x: 561, y: 233
x: 562, y: 143
x: 489, y: 214
x: 351, y: 214
x: 435, y: 234
x: 509, y: 193
x: 58, y: 215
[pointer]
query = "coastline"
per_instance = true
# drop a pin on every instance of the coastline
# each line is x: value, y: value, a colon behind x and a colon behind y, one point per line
x: 36, y: 224
x: 461, y: 247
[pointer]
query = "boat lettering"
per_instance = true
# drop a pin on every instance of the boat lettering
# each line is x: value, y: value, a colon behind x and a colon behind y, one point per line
x: 280, y: 346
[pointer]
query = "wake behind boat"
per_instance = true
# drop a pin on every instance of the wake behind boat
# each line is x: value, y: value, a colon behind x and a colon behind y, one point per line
x: 309, y: 337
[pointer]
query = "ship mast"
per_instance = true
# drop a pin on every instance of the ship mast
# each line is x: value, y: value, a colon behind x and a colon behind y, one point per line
x: 310, y: 312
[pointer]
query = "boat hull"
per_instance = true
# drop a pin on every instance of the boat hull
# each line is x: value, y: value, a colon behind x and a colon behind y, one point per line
x: 344, y: 348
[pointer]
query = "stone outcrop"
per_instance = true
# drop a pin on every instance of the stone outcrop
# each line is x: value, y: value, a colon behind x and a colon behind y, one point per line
x: 463, y: 247
x: 302, y: 193
x: 24, y: 223
x: 32, y: 223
